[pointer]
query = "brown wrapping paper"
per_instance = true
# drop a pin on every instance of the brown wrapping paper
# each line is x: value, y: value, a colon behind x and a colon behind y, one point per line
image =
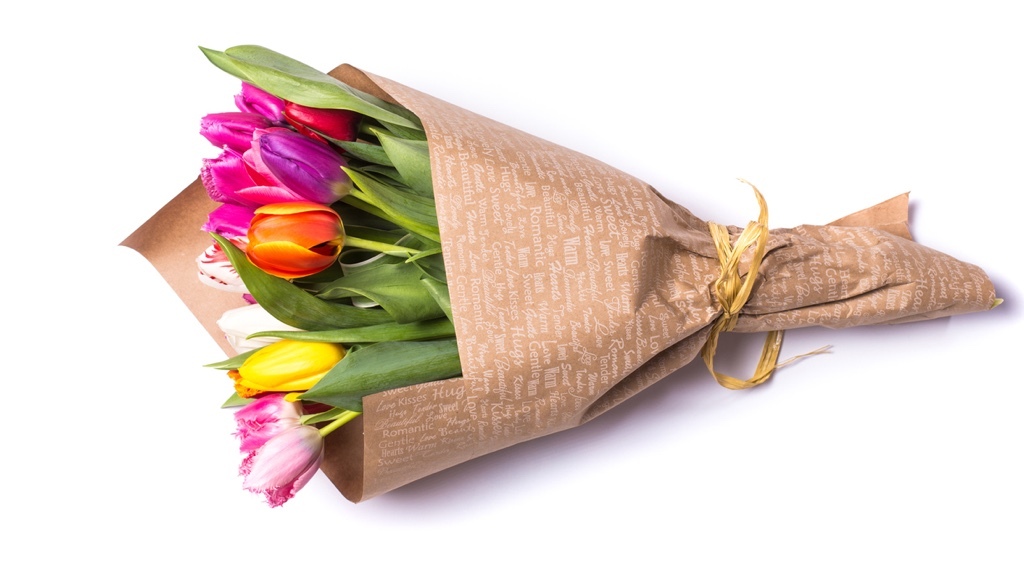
x: 575, y: 286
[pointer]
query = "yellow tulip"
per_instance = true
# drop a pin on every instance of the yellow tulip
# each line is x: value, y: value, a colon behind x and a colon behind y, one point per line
x: 285, y: 366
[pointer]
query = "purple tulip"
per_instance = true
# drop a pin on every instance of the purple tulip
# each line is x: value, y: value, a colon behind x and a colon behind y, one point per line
x: 232, y: 129
x: 305, y: 166
x: 258, y: 101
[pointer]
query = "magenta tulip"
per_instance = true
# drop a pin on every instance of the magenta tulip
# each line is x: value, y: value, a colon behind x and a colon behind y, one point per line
x: 232, y: 129
x: 307, y: 167
x: 264, y: 418
x: 234, y: 179
x: 284, y: 464
x: 258, y: 101
x: 229, y: 220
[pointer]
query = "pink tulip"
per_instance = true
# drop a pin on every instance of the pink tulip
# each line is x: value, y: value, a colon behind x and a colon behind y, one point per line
x: 253, y: 99
x: 229, y: 178
x: 232, y: 129
x: 284, y: 464
x: 264, y: 418
x: 229, y: 220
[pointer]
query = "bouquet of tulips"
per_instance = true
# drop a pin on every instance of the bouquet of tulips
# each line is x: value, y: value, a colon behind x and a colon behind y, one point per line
x: 327, y: 222
x: 446, y: 286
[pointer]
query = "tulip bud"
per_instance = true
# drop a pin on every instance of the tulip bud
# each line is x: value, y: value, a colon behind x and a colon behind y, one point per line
x: 284, y: 464
x: 232, y: 129
x: 294, y: 239
x: 334, y: 123
x: 263, y: 418
x: 259, y: 101
x: 237, y: 324
x: 307, y: 167
x: 285, y: 366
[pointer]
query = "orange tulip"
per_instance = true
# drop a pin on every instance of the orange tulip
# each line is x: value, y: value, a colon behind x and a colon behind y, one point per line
x: 294, y: 239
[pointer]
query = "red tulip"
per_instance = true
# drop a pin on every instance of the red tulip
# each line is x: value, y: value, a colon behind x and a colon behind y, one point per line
x: 337, y: 124
x: 294, y: 239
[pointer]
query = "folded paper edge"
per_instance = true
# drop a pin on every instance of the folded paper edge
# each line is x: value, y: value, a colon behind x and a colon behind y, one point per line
x: 891, y: 216
x: 170, y: 240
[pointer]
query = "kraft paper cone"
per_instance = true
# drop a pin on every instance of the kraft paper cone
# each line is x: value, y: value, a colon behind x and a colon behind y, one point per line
x: 575, y: 286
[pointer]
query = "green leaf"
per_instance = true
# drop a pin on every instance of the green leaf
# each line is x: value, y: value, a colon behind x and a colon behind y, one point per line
x: 364, y: 151
x: 222, y: 61
x: 395, y: 287
x: 393, y: 236
x: 235, y: 401
x: 412, y: 160
x: 439, y: 291
x: 415, y: 331
x: 294, y: 81
x: 382, y: 366
x: 409, y: 210
x: 292, y: 305
x: 432, y: 266
x: 321, y: 417
x: 232, y: 363
x: 404, y: 132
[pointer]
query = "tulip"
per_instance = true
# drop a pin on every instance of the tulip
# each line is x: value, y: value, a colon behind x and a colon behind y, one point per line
x: 232, y: 129
x: 284, y: 464
x: 229, y: 220
x: 285, y: 366
x: 309, y: 168
x: 240, y: 178
x: 215, y: 269
x: 294, y: 239
x: 237, y: 324
x: 263, y: 418
x: 334, y: 123
x: 256, y: 100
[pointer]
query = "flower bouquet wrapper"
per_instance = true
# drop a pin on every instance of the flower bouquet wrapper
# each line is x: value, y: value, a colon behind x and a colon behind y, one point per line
x: 575, y: 286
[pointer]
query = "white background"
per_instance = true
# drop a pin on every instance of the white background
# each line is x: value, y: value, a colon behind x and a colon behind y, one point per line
x: 899, y: 453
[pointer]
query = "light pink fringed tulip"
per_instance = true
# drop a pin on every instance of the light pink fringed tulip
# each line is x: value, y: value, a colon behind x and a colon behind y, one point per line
x: 284, y: 464
x: 262, y: 419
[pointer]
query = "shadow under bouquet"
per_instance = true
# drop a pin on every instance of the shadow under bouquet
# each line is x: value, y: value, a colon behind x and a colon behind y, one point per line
x: 426, y: 285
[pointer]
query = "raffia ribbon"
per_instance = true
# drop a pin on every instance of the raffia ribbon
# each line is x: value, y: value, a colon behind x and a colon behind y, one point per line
x: 732, y: 293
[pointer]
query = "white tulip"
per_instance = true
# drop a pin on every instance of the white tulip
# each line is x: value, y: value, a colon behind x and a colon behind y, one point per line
x: 239, y: 323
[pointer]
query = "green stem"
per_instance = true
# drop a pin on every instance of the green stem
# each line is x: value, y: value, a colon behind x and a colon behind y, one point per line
x: 392, y: 249
x: 337, y: 423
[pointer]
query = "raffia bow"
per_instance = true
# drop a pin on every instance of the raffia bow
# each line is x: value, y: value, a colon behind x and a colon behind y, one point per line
x: 732, y: 292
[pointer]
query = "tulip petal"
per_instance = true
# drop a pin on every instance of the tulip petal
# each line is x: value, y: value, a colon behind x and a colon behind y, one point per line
x: 264, y: 418
x: 289, y: 260
x: 284, y: 464
x: 334, y: 123
x: 260, y: 195
x: 259, y: 101
x: 232, y: 129
x: 230, y: 220
x: 224, y: 176
x: 303, y: 165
